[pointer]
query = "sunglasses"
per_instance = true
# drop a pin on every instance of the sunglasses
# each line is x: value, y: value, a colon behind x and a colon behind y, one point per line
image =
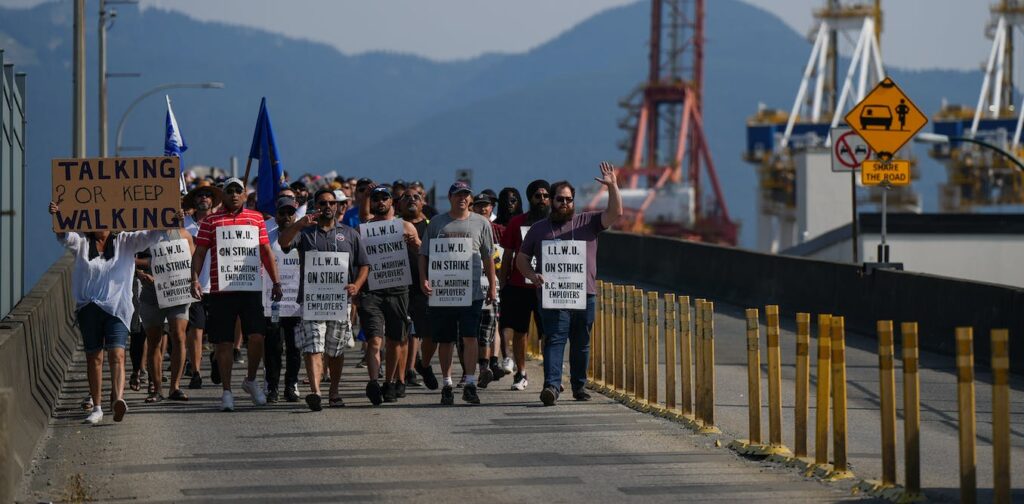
x: 414, y: 197
x: 286, y: 212
x: 232, y: 190
x: 326, y: 203
x: 563, y: 199
x: 540, y: 196
x: 204, y: 195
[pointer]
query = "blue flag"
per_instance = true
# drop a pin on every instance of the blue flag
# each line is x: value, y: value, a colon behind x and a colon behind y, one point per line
x: 174, y: 144
x: 264, y: 149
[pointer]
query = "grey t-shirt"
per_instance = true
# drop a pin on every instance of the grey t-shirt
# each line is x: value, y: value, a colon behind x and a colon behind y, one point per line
x: 340, y: 238
x: 476, y: 228
x: 583, y: 226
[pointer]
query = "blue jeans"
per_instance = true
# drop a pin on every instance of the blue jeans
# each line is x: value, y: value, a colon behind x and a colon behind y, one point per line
x: 100, y: 330
x: 574, y: 326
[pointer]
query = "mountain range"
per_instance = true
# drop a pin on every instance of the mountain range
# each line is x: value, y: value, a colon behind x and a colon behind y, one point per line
x: 551, y: 112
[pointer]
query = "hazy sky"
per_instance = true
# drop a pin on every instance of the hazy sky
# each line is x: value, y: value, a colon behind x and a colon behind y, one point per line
x: 918, y: 33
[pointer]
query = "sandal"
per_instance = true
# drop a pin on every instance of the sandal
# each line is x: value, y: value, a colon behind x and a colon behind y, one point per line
x: 133, y: 382
x: 335, y: 402
x: 152, y: 388
x: 154, y: 398
x: 178, y: 395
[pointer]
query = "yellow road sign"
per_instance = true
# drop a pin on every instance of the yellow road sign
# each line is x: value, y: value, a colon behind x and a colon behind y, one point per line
x: 875, y: 172
x: 886, y: 118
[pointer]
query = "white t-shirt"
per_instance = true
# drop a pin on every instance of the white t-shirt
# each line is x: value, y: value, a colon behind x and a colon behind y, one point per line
x: 204, y: 276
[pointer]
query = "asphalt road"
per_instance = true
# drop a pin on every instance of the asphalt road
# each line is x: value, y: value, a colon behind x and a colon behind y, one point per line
x: 508, y: 449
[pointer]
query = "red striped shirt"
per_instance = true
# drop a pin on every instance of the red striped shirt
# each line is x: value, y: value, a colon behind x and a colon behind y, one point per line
x: 208, y: 238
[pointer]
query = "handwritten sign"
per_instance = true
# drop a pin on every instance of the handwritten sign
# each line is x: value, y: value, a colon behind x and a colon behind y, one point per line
x: 450, y: 270
x: 116, y: 194
x: 565, y: 275
x: 323, y: 286
x: 238, y: 258
x: 384, y: 243
x: 289, y: 274
x: 172, y: 272
x: 533, y: 260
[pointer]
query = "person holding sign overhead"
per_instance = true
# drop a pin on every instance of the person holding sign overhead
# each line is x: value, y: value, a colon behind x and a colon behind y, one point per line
x: 565, y: 245
x: 101, y: 283
x: 238, y: 240
x: 333, y: 268
x: 457, y: 244
x: 384, y: 302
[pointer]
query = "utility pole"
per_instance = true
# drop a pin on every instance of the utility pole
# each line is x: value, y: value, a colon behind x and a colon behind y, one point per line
x: 102, y: 57
x: 78, y: 95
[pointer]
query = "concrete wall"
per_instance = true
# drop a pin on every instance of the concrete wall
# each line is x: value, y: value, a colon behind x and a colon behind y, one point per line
x: 37, y: 341
x: 823, y: 197
x: 752, y: 279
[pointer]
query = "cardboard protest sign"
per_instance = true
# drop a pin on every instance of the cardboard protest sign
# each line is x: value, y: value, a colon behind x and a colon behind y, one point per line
x: 323, y: 286
x: 171, y: 263
x: 116, y: 194
x: 238, y: 258
x: 565, y: 275
x: 533, y: 260
x: 288, y: 272
x: 384, y: 243
x: 450, y: 270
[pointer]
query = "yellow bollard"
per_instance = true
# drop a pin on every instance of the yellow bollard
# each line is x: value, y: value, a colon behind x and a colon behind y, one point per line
x: 840, y: 464
x: 965, y: 401
x: 774, y: 377
x: 1001, y: 415
x: 698, y: 360
x: 911, y: 409
x: 653, y: 328
x: 638, y: 345
x: 685, y: 357
x: 628, y: 353
x: 608, y: 320
x: 753, y: 376
x: 596, y: 333
x: 620, y: 339
x: 670, y: 352
x: 803, y: 379
x: 887, y: 395
x: 824, y: 389
x: 709, y: 366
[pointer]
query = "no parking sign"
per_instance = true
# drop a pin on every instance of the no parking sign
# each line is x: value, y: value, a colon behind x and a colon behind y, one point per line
x: 849, y: 150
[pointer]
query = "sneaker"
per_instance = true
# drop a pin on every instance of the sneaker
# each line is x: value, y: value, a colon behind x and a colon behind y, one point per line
x: 497, y: 371
x: 520, y: 382
x: 214, y: 369
x: 400, y: 390
x: 255, y: 391
x: 361, y: 363
x: 389, y: 392
x: 508, y: 365
x: 87, y: 404
x: 581, y: 395
x: 94, y: 416
x: 462, y: 382
x: 427, y: 372
x: 196, y: 382
x: 411, y: 379
x: 272, y: 396
x: 469, y: 394
x: 549, y: 395
x: 291, y: 394
x: 238, y: 356
x: 373, y: 392
x: 447, y: 395
x: 120, y: 408
x: 313, y: 401
x: 486, y: 376
x: 227, y: 401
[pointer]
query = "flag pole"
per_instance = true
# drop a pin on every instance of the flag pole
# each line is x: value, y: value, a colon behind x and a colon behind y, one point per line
x: 245, y: 179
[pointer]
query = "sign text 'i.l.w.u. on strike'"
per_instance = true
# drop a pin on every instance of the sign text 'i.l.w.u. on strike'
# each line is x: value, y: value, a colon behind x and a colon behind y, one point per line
x: 325, y: 277
x: 384, y: 243
x: 565, y: 274
x: 450, y: 271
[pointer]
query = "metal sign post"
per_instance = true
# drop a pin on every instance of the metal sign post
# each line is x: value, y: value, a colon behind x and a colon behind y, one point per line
x: 883, y: 248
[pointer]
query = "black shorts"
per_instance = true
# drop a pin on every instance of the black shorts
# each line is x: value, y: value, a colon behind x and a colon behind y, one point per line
x: 227, y: 307
x: 418, y: 313
x: 197, y: 313
x: 384, y: 314
x: 449, y: 323
x: 517, y: 304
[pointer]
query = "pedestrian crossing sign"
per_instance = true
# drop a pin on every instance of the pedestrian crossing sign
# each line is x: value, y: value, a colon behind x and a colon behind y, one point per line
x: 886, y: 119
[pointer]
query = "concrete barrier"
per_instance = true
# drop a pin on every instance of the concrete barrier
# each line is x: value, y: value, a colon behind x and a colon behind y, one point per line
x: 37, y: 342
x: 747, y: 278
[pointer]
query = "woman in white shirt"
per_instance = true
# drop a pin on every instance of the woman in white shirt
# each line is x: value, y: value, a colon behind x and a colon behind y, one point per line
x: 102, y: 287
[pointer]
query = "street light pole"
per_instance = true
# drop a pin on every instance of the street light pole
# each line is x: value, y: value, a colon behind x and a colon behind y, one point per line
x: 162, y: 87
x: 102, y: 57
x: 78, y: 73
x: 933, y: 138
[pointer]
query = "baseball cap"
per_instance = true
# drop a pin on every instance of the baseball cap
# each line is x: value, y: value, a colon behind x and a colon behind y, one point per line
x: 287, y: 201
x: 234, y: 180
x: 364, y: 182
x: 339, y: 195
x: 399, y: 183
x: 459, y: 187
x: 483, y: 198
x: 380, y: 190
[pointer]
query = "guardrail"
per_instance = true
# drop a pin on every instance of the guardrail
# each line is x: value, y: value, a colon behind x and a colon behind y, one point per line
x: 633, y: 327
x: 37, y: 342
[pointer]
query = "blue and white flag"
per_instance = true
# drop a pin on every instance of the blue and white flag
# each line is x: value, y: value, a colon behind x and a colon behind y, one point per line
x: 174, y: 144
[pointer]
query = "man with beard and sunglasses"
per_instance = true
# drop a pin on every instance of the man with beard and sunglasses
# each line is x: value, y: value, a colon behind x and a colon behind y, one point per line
x: 411, y: 208
x: 204, y: 199
x: 518, y: 295
x: 384, y: 313
x: 319, y: 231
x: 573, y: 325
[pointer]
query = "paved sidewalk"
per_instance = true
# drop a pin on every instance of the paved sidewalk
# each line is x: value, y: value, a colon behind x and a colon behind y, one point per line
x: 509, y: 449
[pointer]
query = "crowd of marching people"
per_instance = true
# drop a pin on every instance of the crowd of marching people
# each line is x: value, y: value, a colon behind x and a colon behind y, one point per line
x: 340, y: 264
